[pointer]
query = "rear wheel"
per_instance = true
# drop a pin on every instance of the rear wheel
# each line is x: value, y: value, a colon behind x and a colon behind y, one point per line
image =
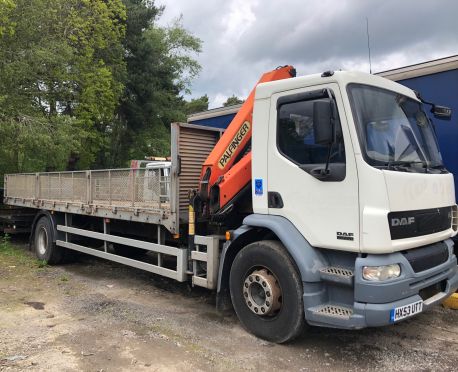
x: 45, y: 248
x: 266, y: 292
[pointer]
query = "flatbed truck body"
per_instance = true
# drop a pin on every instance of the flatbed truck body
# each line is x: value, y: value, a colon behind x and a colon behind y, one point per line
x: 347, y: 236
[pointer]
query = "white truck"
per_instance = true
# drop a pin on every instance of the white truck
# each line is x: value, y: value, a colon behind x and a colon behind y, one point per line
x: 345, y: 220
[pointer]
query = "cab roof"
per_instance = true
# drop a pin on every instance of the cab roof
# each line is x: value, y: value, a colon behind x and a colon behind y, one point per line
x: 342, y: 78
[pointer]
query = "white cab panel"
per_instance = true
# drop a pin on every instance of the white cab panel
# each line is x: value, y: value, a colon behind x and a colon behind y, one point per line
x: 410, y: 191
x: 318, y: 209
x: 259, y: 146
x: 384, y: 191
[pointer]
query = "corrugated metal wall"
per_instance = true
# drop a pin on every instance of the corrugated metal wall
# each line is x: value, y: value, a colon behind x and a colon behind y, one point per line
x: 194, y: 145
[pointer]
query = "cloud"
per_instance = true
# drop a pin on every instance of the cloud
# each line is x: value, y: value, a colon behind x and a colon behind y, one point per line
x: 239, y: 19
x: 244, y: 38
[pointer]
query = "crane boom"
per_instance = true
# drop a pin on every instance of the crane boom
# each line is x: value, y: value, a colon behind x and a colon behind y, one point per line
x: 227, y: 169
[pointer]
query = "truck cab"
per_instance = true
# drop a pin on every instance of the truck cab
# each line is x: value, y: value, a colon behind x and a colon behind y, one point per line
x: 385, y: 188
x: 347, y: 174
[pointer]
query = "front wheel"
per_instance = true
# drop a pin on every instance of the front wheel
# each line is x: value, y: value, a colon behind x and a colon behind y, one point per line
x: 266, y: 291
x: 45, y: 248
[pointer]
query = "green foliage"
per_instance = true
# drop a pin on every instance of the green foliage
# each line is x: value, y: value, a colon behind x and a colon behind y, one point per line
x: 33, y: 144
x: 196, y: 105
x: 6, y: 26
x: 4, y: 242
x: 233, y: 100
x: 42, y: 264
x: 159, y: 68
x: 11, y: 255
x: 178, y: 43
x: 62, y: 69
x: 89, y: 82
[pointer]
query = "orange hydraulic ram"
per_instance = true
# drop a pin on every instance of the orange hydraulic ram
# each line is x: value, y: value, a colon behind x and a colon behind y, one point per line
x: 219, y: 170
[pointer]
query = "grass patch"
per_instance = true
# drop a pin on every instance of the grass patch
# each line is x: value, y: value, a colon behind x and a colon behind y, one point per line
x: 64, y: 278
x: 42, y: 263
x: 4, y: 242
x: 14, y: 255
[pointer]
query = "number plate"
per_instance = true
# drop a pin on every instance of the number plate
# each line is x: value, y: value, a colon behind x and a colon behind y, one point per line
x: 405, y: 311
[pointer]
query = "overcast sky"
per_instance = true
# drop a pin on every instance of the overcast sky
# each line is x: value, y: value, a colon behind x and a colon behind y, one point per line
x: 244, y: 38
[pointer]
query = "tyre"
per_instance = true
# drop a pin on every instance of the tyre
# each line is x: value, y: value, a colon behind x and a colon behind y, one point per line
x: 45, y: 248
x: 266, y: 292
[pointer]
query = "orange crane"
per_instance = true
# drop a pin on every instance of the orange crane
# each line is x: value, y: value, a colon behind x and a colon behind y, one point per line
x: 227, y: 170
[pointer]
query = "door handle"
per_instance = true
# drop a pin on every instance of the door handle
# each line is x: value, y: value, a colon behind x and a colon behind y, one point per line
x: 274, y: 200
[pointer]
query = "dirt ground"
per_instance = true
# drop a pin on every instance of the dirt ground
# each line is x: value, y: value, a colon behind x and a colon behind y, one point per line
x: 93, y: 315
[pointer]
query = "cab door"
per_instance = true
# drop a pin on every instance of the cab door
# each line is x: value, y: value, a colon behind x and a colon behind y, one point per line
x: 312, y: 184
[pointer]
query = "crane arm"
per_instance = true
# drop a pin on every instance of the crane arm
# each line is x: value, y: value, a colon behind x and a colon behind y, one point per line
x: 229, y: 163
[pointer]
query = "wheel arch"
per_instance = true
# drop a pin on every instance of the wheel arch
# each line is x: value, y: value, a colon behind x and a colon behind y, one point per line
x: 256, y: 227
x: 53, y: 218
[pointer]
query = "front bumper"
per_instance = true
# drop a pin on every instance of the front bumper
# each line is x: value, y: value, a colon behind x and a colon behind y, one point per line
x: 372, y: 302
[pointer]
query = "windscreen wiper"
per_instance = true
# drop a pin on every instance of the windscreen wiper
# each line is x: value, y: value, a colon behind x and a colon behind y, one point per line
x: 397, y: 164
x: 440, y: 167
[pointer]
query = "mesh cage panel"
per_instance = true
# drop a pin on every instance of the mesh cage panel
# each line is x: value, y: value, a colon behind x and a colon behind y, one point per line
x: 64, y: 186
x: 21, y: 186
x: 136, y: 188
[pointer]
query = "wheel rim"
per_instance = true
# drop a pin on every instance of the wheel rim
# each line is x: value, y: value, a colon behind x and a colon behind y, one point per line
x: 262, y: 293
x: 42, y: 241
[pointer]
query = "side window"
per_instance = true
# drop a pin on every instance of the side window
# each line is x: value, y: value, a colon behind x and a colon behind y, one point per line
x: 297, y: 129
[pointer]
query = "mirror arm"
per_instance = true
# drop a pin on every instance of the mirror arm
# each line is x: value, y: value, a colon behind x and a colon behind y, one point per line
x: 325, y: 171
x: 417, y: 93
x: 433, y: 106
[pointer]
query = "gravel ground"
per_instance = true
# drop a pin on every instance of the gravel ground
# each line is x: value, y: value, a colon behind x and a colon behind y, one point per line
x: 93, y: 315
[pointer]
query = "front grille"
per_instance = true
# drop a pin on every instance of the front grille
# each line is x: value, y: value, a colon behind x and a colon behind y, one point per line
x: 408, y: 224
x: 425, y: 258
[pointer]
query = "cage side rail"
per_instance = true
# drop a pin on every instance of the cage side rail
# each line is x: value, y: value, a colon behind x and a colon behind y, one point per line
x: 124, y: 187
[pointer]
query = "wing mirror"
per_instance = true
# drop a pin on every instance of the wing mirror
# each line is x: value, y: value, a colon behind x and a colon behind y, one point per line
x: 325, y: 122
x: 323, y: 127
x: 441, y: 112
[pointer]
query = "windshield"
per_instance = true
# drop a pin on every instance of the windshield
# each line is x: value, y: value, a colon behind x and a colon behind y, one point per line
x: 393, y: 129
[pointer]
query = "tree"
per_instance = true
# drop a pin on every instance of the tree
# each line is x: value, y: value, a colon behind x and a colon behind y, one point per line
x: 89, y: 83
x: 61, y: 63
x: 159, y: 69
x: 233, y: 100
x: 196, y: 105
x: 6, y: 8
x: 31, y: 144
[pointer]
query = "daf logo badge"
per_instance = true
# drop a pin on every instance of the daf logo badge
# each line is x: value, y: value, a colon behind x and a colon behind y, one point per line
x: 405, y: 221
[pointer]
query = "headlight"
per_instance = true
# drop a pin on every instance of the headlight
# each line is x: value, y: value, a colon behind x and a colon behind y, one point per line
x: 381, y: 273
